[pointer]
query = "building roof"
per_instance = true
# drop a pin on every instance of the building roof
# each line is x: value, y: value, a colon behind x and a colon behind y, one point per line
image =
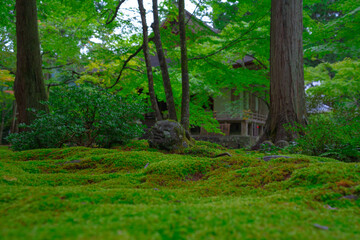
x: 190, y: 19
x: 155, y: 61
x: 188, y: 15
x: 246, y: 60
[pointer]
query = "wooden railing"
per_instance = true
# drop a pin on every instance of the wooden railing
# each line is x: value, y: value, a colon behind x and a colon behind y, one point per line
x: 245, y: 115
x: 224, y: 128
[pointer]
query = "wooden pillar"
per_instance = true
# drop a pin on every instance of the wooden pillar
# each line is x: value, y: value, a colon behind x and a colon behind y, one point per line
x: 251, y: 129
x: 244, y: 128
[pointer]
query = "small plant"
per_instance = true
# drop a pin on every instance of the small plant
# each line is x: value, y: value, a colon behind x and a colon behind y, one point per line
x: 82, y: 116
x: 269, y: 148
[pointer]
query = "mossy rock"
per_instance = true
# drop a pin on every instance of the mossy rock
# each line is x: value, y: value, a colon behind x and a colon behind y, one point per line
x: 282, y: 144
x: 268, y: 144
x: 168, y: 135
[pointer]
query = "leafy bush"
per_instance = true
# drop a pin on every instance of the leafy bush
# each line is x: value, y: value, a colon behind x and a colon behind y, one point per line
x: 335, y: 135
x: 82, y: 116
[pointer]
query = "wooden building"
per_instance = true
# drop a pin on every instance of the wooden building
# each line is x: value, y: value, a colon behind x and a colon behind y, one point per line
x: 251, y: 112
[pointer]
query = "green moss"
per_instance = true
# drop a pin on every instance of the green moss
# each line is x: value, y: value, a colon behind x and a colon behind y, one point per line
x: 133, y: 193
x: 204, y: 149
x: 58, y: 153
x: 323, y: 173
x: 136, y: 145
x: 181, y: 167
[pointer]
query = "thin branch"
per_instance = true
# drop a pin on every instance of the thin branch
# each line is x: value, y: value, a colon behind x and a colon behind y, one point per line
x: 80, y: 25
x: 192, y: 14
x: 116, y: 12
x: 246, y: 88
x: 126, y: 62
x: 59, y: 84
x: 59, y: 66
x: 261, y: 98
x: 124, y: 65
x: 262, y: 64
x: 225, y: 47
x: 43, y: 53
x: 233, y: 42
x: 134, y: 69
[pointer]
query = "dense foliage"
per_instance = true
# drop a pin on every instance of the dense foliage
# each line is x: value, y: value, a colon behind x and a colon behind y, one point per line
x: 78, y: 46
x: 82, y: 116
x: 334, y: 135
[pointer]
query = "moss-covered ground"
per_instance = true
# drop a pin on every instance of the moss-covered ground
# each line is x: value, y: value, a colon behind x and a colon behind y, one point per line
x: 134, y: 192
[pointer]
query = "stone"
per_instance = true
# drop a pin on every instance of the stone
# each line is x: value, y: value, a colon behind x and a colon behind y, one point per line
x: 321, y: 226
x: 168, y: 135
x: 282, y: 144
x: 350, y: 197
x: 330, y: 207
x: 146, y: 165
x: 267, y: 144
x: 225, y: 154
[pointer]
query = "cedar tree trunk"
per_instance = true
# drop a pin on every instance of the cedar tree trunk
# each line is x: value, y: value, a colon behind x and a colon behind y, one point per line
x: 149, y: 72
x: 29, y: 84
x: 185, y: 114
x: 163, y: 66
x: 3, y: 114
x: 287, y: 94
x: 14, y: 128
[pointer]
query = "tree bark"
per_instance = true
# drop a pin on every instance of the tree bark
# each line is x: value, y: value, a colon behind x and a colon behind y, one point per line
x: 287, y: 95
x: 185, y: 102
x: 149, y: 72
x: 14, y: 128
x: 29, y: 84
x: 2, y: 124
x: 163, y: 65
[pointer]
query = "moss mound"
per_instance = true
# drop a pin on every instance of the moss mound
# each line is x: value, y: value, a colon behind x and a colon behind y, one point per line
x: 136, y: 192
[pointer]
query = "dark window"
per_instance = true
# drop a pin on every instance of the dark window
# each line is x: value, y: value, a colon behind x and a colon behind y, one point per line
x: 235, y: 129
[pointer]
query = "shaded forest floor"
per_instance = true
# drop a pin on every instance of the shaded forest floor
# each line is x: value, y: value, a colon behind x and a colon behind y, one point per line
x: 136, y: 192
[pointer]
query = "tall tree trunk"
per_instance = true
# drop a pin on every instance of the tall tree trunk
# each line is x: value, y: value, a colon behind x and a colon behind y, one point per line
x: 29, y: 84
x: 287, y: 96
x: 2, y: 124
x: 149, y: 72
x: 14, y: 120
x: 163, y: 66
x: 185, y: 114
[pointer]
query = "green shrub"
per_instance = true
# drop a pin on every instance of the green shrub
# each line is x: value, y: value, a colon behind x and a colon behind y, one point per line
x: 334, y: 135
x: 82, y: 116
